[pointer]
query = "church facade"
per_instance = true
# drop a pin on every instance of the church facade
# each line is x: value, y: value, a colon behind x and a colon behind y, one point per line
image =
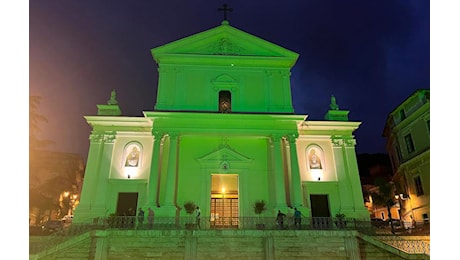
x: 223, y: 134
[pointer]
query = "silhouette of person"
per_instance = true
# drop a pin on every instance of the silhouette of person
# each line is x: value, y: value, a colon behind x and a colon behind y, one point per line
x: 150, y: 217
x: 140, y: 217
x: 198, y: 216
x: 297, y: 218
x: 129, y: 218
x: 280, y: 219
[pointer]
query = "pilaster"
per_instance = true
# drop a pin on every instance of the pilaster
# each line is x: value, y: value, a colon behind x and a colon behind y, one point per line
x: 351, y: 197
x: 296, y: 186
x: 352, y: 248
x: 101, y: 248
x: 170, y: 189
x: 277, y: 164
x: 152, y: 193
x: 96, y: 174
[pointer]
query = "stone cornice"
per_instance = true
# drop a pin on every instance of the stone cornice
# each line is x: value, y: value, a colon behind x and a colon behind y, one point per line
x: 415, y: 162
x: 117, y: 123
x: 309, y: 126
x: 106, y: 137
x: 347, y: 141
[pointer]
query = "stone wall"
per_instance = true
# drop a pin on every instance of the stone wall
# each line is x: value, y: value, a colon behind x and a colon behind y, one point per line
x: 217, y: 244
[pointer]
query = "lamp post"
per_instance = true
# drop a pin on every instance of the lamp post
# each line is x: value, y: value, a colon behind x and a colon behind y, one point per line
x: 398, y: 205
x: 402, y: 206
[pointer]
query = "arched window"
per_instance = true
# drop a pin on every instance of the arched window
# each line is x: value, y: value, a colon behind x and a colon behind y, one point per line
x: 225, y: 101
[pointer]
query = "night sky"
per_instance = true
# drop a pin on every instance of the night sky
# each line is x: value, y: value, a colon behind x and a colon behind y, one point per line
x: 371, y: 55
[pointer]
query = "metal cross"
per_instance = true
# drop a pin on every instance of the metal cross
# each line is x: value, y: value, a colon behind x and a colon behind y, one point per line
x: 225, y: 9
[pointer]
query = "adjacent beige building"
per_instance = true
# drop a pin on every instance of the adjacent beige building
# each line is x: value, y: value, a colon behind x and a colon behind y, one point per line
x: 408, y: 144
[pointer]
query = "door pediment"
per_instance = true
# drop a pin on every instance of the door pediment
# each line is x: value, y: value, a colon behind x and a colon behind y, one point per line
x: 224, y: 158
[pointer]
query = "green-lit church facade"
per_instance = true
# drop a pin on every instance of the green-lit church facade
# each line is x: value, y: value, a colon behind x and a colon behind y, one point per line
x: 223, y: 129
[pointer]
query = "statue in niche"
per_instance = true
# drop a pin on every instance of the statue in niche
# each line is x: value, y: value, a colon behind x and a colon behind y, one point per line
x: 132, y: 160
x: 113, y: 98
x: 314, y: 160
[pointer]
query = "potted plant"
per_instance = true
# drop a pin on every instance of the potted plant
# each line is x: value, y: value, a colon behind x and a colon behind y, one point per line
x: 190, y: 207
x: 340, y: 220
x: 259, y: 208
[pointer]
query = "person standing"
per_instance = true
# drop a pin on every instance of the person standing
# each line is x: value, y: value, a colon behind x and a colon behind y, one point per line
x: 280, y: 219
x: 140, y: 218
x: 297, y: 218
x: 198, y: 216
x: 150, y: 217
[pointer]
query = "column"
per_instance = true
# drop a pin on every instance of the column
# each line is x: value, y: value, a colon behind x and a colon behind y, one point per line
x: 296, y: 185
x: 277, y: 164
x: 152, y: 199
x: 171, y: 171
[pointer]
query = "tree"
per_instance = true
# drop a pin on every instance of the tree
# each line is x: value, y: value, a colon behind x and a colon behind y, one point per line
x: 384, y: 196
x: 259, y: 207
x: 37, y: 195
x: 35, y: 119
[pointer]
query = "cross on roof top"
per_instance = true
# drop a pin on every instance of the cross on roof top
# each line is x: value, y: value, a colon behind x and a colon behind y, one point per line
x: 225, y: 9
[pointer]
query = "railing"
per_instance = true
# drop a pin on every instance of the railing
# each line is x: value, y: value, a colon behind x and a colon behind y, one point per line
x: 205, y: 223
x: 407, y: 244
x: 246, y: 223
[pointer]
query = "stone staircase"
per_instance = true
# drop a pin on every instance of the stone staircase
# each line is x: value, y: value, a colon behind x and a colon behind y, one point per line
x: 222, y: 244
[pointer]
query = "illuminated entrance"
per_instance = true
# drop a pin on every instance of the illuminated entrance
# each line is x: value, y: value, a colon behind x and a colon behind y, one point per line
x: 224, y: 201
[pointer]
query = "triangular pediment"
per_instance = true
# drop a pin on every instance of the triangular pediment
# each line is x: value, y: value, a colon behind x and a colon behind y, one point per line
x: 224, y: 79
x: 224, y: 154
x: 224, y: 40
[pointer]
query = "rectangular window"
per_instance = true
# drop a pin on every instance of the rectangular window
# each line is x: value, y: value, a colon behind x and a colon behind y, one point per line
x: 418, y: 186
x: 409, y: 143
x: 426, y: 219
x: 402, y: 114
